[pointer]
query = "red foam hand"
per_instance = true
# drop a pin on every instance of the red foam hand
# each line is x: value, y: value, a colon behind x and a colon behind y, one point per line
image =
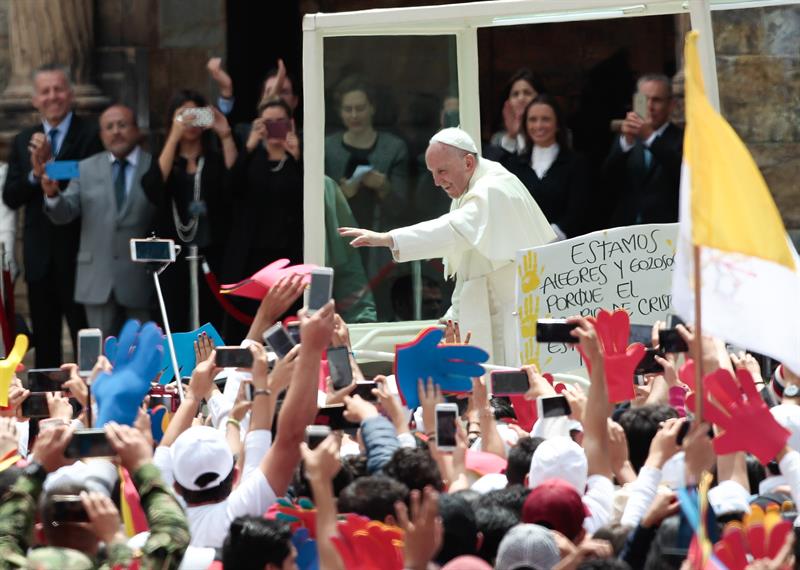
x: 760, y: 538
x: 258, y: 285
x: 298, y: 515
x: 743, y: 416
x: 368, y: 545
x: 620, y: 359
x: 686, y: 373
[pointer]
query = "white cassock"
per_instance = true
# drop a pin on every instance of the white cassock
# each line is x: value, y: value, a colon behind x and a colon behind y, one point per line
x: 478, y: 240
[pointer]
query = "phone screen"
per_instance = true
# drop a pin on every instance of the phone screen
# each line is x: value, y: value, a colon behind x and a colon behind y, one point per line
x: 555, y: 330
x: 364, y: 389
x: 89, y: 349
x: 512, y: 382
x: 339, y: 367
x: 555, y: 406
x: 648, y: 364
x: 641, y: 333
x: 320, y: 291
x: 154, y: 250
x: 669, y: 340
x: 316, y: 435
x: 333, y: 417
x: 279, y: 340
x: 89, y: 443
x: 35, y: 406
x: 294, y: 332
x: 233, y: 357
x: 446, y: 428
x: 277, y: 129
x: 68, y: 508
x: 46, y: 379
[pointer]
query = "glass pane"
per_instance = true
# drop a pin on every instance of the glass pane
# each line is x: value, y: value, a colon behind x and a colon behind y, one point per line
x: 758, y: 70
x: 384, y: 98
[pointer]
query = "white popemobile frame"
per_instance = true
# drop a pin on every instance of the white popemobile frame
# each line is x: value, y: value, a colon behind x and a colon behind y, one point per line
x: 461, y: 21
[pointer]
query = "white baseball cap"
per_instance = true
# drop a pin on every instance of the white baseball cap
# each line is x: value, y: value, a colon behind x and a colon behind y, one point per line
x: 559, y: 458
x: 201, y: 458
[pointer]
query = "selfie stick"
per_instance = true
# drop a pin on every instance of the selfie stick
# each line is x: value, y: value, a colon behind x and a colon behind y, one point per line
x: 194, y: 296
x: 170, y: 345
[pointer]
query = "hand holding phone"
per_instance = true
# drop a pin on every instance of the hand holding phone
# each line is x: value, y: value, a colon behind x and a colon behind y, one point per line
x: 233, y: 357
x: 507, y: 383
x: 279, y: 340
x: 321, y: 289
x: 89, y: 443
x: 555, y: 330
x: 339, y: 366
x: 316, y: 435
x: 670, y: 341
x: 446, y: 417
x: 90, y: 347
x: 552, y: 406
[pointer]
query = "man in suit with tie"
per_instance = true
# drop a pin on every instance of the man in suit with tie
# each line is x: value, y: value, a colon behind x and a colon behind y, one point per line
x: 108, y: 198
x: 644, y: 164
x: 49, y: 251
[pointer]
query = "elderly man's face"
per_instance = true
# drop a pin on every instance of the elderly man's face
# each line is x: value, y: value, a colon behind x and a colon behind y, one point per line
x: 451, y: 168
x: 659, y: 102
x: 52, y: 95
x: 118, y: 131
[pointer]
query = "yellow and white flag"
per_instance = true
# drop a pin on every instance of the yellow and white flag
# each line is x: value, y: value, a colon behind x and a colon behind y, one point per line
x: 750, y: 271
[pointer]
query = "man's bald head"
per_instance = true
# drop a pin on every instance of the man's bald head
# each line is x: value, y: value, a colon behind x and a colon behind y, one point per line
x: 452, y: 168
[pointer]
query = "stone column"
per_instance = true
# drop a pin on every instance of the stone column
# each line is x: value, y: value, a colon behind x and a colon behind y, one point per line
x: 42, y: 32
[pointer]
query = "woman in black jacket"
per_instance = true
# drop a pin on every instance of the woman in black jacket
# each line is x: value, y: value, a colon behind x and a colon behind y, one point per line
x: 191, y: 184
x: 556, y: 176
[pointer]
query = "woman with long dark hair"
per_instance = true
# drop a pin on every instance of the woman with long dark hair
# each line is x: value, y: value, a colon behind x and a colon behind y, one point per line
x: 191, y: 184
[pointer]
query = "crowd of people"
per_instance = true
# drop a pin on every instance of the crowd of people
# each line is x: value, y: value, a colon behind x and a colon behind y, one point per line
x: 281, y: 463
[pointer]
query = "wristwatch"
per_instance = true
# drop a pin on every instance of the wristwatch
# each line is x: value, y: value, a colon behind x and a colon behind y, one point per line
x: 35, y: 470
x: 791, y: 391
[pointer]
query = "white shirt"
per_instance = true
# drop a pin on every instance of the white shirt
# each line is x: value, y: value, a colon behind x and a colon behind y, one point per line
x: 542, y: 158
x: 599, y: 499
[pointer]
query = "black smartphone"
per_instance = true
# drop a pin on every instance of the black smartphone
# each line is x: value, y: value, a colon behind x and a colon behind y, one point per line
x: 333, y: 417
x: 46, y: 379
x: 293, y: 329
x: 552, y: 406
x: 648, y: 364
x: 233, y: 357
x: 364, y: 389
x: 339, y: 367
x: 555, y: 330
x: 278, y: 339
x: 35, y: 406
x: 674, y: 320
x: 68, y: 509
x: 509, y: 382
x: 316, y: 435
x: 320, y: 290
x: 670, y: 341
x: 90, y: 442
x: 641, y: 333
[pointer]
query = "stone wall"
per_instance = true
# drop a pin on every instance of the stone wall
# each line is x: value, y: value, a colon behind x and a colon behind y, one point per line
x: 758, y: 69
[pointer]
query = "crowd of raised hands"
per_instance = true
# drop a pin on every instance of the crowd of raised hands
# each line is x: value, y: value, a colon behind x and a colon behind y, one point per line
x: 273, y: 466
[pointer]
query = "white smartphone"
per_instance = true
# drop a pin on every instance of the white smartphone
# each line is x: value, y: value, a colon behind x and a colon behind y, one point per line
x: 90, y: 346
x: 153, y: 250
x: 321, y: 289
x: 446, y: 417
x: 316, y: 435
x: 552, y: 406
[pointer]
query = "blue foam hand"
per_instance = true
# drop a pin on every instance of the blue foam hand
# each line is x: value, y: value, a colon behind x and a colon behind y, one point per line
x: 119, y: 393
x: 307, y: 558
x: 184, y: 351
x: 451, y: 366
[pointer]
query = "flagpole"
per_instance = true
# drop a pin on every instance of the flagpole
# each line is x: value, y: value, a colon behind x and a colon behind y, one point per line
x: 697, y: 349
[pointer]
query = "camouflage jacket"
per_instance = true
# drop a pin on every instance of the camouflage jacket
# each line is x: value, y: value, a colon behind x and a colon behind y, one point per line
x: 169, y: 531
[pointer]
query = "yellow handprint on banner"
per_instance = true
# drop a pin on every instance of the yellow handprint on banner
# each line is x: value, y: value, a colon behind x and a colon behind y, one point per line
x: 8, y: 367
x: 529, y: 273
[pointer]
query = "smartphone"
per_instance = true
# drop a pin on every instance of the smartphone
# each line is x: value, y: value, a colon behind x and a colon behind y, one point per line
x: 278, y: 339
x: 62, y: 169
x: 674, y: 320
x: 159, y: 396
x: 640, y: 104
x: 201, y: 117
x: 68, y: 509
x: 233, y: 357
x: 320, y: 290
x: 555, y: 330
x: 90, y: 347
x: 35, y: 406
x: 333, y: 417
x: 293, y: 329
x: 153, y: 250
x: 364, y: 389
x: 316, y: 435
x: 47, y: 379
x: 639, y: 380
x: 446, y: 417
x: 641, y: 333
x: 278, y: 129
x: 648, y: 363
x: 505, y: 383
x: 90, y: 442
x: 248, y: 390
x: 670, y: 341
x: 552, y: 406
x: 339, y: 367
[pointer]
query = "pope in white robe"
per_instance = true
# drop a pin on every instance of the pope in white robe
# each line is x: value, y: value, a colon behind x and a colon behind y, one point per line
x: 492, y: 217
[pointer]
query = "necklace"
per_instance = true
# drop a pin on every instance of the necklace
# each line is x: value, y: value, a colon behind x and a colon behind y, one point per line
x: 279, y: 166
x: 187, y: 231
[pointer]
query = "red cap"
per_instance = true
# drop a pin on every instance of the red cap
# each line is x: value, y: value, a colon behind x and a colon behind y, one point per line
x: 557, y: 505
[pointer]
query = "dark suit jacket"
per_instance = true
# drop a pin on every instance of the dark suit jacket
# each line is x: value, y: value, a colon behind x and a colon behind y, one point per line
x: 43, y: 241
x: 562, y: 194
x: 649, y: 195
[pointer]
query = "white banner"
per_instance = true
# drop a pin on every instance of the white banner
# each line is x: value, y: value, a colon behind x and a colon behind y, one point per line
x: 622, y: 268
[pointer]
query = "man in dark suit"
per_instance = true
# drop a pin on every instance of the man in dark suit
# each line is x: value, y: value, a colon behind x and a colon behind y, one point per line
x: 108, y: 199
x: 644, y: 164
x: 49, y: 251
